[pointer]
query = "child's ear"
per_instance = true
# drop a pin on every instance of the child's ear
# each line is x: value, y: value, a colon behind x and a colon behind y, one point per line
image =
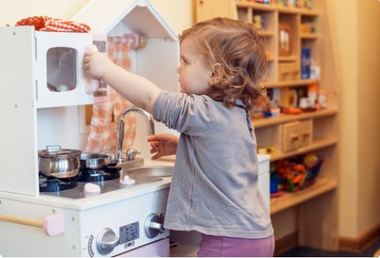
x: 216, y: 75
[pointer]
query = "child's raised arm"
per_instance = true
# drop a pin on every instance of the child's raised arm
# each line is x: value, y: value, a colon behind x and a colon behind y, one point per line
x: 138, y: 90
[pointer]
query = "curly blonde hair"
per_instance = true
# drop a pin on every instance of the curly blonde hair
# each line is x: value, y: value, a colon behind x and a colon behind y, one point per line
x: 237, y: 47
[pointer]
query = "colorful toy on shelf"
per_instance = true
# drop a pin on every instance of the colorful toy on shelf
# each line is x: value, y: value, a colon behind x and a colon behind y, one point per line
x: 274, y: 97
x: 322, y: 99
x: 313, y: 164
x: 268, y: 55
x: 294, y: 101
x: 307, y: 28
x: 263, y: 1
x: 308, y: 4
x: 266, y: 150
x: 275, y: 182
x: 305, y: 63
x: 258, y: 21
x: 301, y: 4
x: 275, y: 112
x: 291, y: 110
x: 281, y: 2
x: 310, y: 160
x: 297, y: 173
x: 275, y: 186
x: 315, y: 98
x: 291, y: 3
x: 292, y: 174
x: 285, y: 40
x: 261, y: 108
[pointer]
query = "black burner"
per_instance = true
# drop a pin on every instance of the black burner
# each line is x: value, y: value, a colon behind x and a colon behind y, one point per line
x: 99, y: 175
x: 53, y: 184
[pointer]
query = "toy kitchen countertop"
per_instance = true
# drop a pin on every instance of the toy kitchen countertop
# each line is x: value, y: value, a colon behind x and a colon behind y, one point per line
x: 110, y: 191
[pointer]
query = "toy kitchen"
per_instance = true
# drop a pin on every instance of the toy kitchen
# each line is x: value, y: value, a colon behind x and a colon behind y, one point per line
x: 94, y: 211
x: 90, y: 209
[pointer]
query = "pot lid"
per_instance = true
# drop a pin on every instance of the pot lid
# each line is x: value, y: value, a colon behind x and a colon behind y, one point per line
x: 57, y: 151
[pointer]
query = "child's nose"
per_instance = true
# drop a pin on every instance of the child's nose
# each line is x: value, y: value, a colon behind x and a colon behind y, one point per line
x: 178, y: 69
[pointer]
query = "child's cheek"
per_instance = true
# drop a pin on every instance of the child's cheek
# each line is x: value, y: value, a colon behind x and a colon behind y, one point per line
x: 184, y: 85
x: 183, y: 89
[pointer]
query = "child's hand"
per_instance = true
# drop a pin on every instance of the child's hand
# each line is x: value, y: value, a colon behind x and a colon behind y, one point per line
x: 163, y: 144
x: 95, y: 64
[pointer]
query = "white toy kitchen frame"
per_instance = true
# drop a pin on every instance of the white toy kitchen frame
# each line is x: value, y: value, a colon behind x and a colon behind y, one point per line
x: 34, y: 116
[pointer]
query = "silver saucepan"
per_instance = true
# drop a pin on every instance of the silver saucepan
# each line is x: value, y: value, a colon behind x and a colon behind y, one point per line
x: 58, y: 162
x: 93, y: 160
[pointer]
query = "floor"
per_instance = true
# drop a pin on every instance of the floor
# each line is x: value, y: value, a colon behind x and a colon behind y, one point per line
x: 308, y: 252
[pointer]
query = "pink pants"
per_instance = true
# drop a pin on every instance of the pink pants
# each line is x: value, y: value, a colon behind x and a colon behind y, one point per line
x: 230, y: 246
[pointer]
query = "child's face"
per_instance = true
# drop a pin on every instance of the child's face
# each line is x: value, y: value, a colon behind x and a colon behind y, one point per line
x: 194, y: 74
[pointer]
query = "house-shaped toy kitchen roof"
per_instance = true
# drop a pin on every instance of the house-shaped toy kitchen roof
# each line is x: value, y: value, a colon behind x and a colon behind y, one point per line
x: 139, y: 16
x: 158, y: 60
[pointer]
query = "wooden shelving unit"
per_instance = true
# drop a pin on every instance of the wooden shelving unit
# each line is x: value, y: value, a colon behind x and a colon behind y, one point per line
x: 304, y: 28
x: 285, y: 32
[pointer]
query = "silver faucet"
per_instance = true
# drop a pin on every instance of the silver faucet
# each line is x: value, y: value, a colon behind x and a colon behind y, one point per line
x: 150, y: 125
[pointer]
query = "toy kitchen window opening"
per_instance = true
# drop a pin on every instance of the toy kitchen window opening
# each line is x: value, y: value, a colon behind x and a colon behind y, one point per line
x: 61, y: 69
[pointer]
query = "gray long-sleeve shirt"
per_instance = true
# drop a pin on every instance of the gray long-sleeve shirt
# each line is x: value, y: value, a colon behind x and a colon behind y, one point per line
x: 214, y: 187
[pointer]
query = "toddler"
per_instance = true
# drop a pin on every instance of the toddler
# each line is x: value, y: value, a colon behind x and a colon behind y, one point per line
x: 214, y: 188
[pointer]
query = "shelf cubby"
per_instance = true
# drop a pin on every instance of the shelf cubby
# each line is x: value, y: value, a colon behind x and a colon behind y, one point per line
x: 321, y: 186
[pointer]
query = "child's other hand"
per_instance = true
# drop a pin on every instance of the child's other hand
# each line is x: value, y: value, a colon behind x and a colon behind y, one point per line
x: 162, y: 144
x: 95, y: 64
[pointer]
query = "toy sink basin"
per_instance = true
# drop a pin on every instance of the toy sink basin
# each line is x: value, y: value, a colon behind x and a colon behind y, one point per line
x: 160, y: 171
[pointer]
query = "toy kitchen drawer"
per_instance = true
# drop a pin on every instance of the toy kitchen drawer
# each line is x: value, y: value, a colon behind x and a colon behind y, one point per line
x: 49, y: 62
x: 296, y: 135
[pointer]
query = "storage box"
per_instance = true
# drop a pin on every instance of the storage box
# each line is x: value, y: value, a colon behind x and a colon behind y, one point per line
x: 290, y: 136
x: 306, y: 133
x: 296, y: 135
x: 288, y: 71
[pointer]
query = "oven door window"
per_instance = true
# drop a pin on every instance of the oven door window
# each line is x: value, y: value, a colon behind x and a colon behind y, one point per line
x: 61, y: 69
